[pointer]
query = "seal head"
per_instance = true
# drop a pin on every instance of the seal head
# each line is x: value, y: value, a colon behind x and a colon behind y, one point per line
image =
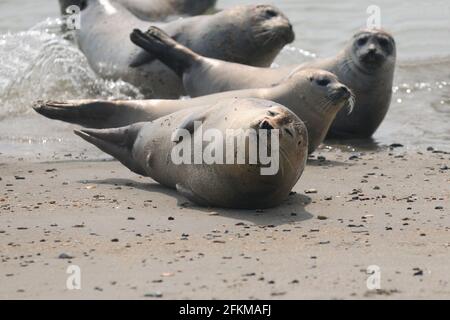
x: 260, y: 31
x: 316, y: 97
x: 372, y: 50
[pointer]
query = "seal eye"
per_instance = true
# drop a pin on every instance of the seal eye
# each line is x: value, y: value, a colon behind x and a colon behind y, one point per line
x: 289, y: 132
x: 271, y: 113
x: 383, y: 42
x: 323, y: 82
x: 362, y: 41
x: 270, y: 13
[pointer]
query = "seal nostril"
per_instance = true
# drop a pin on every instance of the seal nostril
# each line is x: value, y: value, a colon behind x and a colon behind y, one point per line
x: 265, y: 125
x: 343, y: 89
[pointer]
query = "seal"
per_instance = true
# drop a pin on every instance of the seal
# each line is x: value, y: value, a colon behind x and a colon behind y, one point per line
x: 315, y: 96
x: 147, y: 149
x: 154, y: 10
x: 366, y: 66
x: 246, y: 34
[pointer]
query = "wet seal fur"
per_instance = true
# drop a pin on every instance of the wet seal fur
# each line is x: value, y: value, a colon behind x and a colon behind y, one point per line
x: 252, y: 35
x: 366, y: 66
x: 153, y: 10
x: 145, y: 148
x: 315, y: 96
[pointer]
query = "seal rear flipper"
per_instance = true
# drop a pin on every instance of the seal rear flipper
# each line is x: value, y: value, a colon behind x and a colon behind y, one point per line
x: 187, y: 193
x: 116, y: 142
x: 97, y: 114
x: 157, y: 43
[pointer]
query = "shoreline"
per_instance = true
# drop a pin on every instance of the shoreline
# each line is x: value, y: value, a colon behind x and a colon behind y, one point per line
x: 133, y: 238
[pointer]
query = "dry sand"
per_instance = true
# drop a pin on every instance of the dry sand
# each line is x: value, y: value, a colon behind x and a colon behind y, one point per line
x: 135, y: 239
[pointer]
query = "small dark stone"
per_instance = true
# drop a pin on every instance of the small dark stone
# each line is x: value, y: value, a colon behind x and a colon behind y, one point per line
x: 417, y: 272
x: 65, y: 256
x: 155, y: 294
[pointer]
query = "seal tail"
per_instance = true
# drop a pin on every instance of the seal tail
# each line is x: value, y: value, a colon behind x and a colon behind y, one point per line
x: 91, y: 113
x: 117, y: 142
x: 157, y: 43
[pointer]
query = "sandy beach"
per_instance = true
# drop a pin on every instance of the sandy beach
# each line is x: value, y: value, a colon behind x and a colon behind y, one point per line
x: 134, y: 239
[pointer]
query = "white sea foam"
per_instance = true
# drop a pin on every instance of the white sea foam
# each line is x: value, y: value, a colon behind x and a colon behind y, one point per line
x: 42, y: 64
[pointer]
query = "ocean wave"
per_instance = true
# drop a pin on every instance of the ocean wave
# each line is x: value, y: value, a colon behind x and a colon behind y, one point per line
x: 42, y: 63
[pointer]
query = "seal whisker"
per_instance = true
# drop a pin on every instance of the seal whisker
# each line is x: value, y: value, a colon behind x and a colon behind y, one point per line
x: 351, y: 102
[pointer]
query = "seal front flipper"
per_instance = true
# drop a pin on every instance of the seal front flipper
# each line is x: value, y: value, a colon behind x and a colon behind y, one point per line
x: 146, y: 56
x: 189, y: 124
x: 159, y: 44
x: 143, y: 57
x: 187, y: 193
x: 118, y: 143
x: 97, y: 114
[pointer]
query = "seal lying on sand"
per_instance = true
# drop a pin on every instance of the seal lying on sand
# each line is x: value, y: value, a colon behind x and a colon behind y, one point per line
x: 315, y: 96
x: 152, y: 10
x: 147, y: 148
x: 251, y: 35
x: 366, y: 66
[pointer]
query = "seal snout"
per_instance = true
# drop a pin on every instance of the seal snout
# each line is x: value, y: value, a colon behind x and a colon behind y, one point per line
x: 372, y: 55
x: 343, y: 91
x: 266, y: 125
x: 290, y: 35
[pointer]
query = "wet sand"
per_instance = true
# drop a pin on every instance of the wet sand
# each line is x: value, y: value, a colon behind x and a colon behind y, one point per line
x: 135, y: 239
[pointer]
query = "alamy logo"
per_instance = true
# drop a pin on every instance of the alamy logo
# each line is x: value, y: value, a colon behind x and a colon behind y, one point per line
x: 73, y: 18
x: 374, y: 19
x: 74, y: 280
x: 237, y: 147
x: 374, y: 280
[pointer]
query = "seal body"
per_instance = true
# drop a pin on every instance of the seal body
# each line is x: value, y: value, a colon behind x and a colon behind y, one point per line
x: 366, y: 66
x: 147, y: 149
x: 245, y: 34
x: 315, y: 96
x: 154, y: 10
